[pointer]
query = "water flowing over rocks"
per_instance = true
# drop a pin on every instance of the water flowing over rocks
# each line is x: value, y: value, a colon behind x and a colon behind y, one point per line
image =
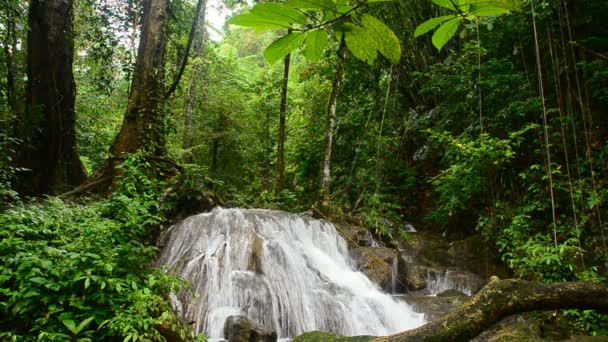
x: 287, y: 273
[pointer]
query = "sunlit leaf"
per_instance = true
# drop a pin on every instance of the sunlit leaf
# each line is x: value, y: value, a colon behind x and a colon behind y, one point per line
x: 259, y: 24
x: 283, y: 46
x: 361, y: 44
x: 315, y: 44
x: 445, y: 32
x: 386, y: 40
x: 279, y: 13
x: 431, y: 24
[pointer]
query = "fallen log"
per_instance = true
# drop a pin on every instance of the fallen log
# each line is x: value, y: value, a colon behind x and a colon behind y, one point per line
x: 501, y: 298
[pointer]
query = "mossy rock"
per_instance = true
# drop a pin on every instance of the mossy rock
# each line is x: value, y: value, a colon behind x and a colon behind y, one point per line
x: 321, y: 336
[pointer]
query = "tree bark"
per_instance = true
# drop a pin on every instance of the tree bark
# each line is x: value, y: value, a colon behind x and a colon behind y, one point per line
x: 143, y: 125
x: 199, y: 9
x: 331, y: 118
x: 195, y: 75
x: 501, y: 298
x: 47, y: 127
x: 281, y: 142
x: 10, y: 47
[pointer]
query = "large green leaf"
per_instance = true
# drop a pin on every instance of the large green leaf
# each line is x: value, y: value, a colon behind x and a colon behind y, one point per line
x: 431, y: 24
x: 283, y: 46
x: 259, y: 24
x: 386, y: 40
x: 445, y: 4
x: 361, y: 44
x: 512, y: 5
x: 489, y: 11
x: 279, y: 12
x: 315, y: 44
x: 445, y: 32
x: 312, y: 4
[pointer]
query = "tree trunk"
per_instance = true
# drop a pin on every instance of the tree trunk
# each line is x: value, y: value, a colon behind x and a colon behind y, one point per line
x: 143, y: 125
x: 501, y: 298
x: 190, y: 103
x: 199, y: 45
x: 47, y: 127
x: 281, y: 142
x: 10, y: 47
x: 331, y: 117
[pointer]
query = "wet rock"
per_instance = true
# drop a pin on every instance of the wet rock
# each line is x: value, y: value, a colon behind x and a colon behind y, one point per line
x: 412, y: 276
x: 257, y: 251
x: 322, y: 336
x: 376, y: 263
x: 451, y: 293
x: 512, y: 328
x: 243, y: 329
x: 434, y: 308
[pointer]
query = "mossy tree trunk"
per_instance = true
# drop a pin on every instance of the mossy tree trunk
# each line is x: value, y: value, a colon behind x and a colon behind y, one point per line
x: 48, y: 152
x: 143, y: 125
x: 501, y: 298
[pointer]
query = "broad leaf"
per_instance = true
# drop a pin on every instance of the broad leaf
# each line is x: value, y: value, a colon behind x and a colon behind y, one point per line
x: 315, y: 44
x: 445, y: 4
x: 445, y: 32
x: 283, y: 46
x: 259, y: 24
x: 280, y: 13
x: 312, y: 4
x: 511, y: 5
x: 431, y: 24
x: 386, y: 40
x: 489, y: 11
x: 361, y: 44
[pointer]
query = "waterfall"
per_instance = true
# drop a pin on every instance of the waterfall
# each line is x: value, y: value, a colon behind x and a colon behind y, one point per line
x: 289, y: 273
x: 440, y: 281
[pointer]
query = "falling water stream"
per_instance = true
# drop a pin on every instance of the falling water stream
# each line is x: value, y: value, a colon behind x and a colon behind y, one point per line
x: 289, y: 273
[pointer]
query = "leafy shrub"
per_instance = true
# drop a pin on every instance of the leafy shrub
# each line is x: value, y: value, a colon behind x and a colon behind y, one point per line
x: 77, y: 271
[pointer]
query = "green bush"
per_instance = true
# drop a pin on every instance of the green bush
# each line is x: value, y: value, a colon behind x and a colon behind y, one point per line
x: 78, y: 271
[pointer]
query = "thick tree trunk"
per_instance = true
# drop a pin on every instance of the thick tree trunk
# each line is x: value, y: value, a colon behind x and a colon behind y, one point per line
x: 143, y: 125
x: 47, y: 127
x: 331, y: 117
x: 281, y: 142
x: 501, y: 298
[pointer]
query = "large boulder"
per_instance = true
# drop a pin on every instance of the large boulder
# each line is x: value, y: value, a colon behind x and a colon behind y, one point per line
x: 377, y: 264
x: 243, y: 329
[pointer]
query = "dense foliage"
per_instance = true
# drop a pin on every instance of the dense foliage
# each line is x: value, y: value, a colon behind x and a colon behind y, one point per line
x: 74, y: 271
x: 502, y: 133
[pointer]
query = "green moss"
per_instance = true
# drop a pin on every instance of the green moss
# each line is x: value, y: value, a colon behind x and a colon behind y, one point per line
x: 321, y: 336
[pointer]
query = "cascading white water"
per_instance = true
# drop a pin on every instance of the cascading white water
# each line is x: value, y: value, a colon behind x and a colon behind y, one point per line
x: 288, y: 273
x: 440, y: 281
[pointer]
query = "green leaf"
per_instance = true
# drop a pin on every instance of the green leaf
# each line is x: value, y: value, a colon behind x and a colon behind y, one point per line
x: 445, y: 4
x: 279, y: 13
x: 361, y: 43
x: 71, y: 326
x: 39, y: 280
x: 85, y: 323
x: 489, y: 11
x: 386, y: 41
x: 431, y: 24
x: 312, y: 4
x: 315, y: 44
x: 445, y: 32
x: 259, y: 24
x: 283, y: 46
